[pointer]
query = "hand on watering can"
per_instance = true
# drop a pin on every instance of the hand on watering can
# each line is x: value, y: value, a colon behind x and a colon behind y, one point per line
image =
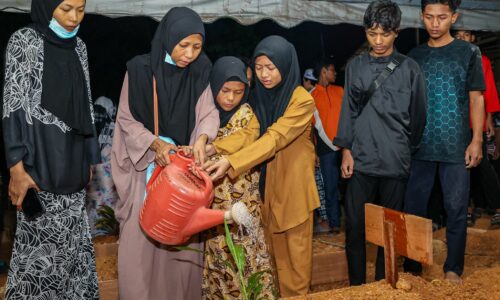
x: 217, y: 169
x: 210, y: 150
x: 200, y: 155
x: 162, y: 150
x: 188, y: 150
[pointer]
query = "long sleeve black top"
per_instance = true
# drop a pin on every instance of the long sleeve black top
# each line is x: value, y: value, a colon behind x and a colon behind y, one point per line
x: 56, y: 158
x: 383, y: 134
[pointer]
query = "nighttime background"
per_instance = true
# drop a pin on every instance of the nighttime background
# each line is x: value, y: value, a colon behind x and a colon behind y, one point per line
x: 111, y: 42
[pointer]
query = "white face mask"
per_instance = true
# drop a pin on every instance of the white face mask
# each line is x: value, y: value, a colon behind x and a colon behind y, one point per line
x: 169, y: 60
x: 60, y: 31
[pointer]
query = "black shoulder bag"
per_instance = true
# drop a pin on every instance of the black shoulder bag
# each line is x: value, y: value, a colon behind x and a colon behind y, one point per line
x: 388, y: 70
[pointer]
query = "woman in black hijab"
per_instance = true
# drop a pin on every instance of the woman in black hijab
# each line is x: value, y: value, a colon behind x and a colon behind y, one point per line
x: 286, y: 155
x: 229, y: 84
x: 187, y: 115
x: 50, y: 144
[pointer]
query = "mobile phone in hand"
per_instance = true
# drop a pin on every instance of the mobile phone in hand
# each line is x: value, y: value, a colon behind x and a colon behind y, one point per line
x: 32, y: 206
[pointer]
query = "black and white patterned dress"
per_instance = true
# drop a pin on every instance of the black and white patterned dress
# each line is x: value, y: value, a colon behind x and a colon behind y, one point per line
x: 53, y: 256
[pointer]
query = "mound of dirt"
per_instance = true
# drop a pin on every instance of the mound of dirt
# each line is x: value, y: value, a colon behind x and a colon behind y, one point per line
x: 481, y: 273
x: 481, y: 285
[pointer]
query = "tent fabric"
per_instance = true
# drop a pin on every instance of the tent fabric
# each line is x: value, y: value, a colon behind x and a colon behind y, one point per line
x: 287, y: 13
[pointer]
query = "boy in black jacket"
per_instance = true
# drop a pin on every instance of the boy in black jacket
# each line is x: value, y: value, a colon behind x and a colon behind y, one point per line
x: 378, y: 132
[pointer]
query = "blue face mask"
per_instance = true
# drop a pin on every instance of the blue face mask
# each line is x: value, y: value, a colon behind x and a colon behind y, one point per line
x: 169, y: 60
x: 60, y: 31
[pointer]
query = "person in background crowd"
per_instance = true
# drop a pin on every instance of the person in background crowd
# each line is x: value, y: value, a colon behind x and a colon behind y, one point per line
x: 101, y: 190
x: 309, y: 80
x: 321, y: 217
x: 249, y: 70
x: 495, y: 153
x: 50, y: 143
x: 484, y: 180
x: 378, y: 132
x: 187, y: 116
x: 328, y: 101
x: 284, y: 149
x: 454, y: 81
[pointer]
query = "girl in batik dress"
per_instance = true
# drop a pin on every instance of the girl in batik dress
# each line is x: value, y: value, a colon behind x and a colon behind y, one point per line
x: 230, y: 89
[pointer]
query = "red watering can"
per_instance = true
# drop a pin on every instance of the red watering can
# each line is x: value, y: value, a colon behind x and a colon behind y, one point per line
x: 177, y: 201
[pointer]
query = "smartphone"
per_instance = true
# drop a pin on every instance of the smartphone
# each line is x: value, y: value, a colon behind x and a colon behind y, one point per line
x: 32, y: 206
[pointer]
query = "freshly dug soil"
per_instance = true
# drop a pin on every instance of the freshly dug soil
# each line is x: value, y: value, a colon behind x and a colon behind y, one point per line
x: 482, y: 251
x: 481, y: 274
x: 478, y: 286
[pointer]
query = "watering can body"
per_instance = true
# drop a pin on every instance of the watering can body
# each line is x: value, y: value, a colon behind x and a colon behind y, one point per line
x: 177, y: 201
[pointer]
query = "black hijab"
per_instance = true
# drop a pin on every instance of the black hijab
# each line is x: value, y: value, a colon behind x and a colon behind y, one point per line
x: 64, y: 87
x: 227, y: 68
x: 270, y: 104
x: 178, y: 89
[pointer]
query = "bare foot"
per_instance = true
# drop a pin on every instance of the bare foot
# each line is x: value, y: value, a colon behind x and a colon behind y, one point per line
x: 453, y: 278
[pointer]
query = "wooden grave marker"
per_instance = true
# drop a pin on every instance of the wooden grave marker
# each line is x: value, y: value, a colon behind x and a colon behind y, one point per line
x: 399, y: 234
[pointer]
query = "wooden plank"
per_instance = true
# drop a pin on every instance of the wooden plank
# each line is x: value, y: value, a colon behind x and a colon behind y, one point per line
x: 413, y: 235
x: 374, y: 224
x: 329, y: 267
x: 108, y: 290
x: 419, y: 233
x: 471, y: 230
x: 391, y: 270
x: 106, y: 249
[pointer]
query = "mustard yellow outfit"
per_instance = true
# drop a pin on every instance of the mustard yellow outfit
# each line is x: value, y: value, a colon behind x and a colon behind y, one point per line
x: 291, y: 194
x: 220, y: 281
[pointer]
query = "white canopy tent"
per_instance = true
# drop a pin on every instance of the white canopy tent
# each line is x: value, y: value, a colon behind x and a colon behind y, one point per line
x: 476, y: 14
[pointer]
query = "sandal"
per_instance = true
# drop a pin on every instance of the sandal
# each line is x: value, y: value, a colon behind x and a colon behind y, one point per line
x: 470, y: 220
x: 495, y: 220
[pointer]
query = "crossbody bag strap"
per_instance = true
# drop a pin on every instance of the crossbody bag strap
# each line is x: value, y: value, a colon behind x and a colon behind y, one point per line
x: 155, y: 107
x: 388, y: 70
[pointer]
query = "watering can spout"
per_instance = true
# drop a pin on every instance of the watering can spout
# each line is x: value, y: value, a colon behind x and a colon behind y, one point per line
x: 202, y: 219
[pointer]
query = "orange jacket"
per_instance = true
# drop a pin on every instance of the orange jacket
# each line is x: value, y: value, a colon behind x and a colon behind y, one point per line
x: 328, y: 103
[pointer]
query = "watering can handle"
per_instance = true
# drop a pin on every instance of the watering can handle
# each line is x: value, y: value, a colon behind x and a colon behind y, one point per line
x: 204, y: 175
x: 190, y: 159
x: 157, y: 172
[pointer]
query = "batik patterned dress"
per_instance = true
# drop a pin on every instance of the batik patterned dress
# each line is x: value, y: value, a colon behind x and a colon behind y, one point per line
x: 220, y: 281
